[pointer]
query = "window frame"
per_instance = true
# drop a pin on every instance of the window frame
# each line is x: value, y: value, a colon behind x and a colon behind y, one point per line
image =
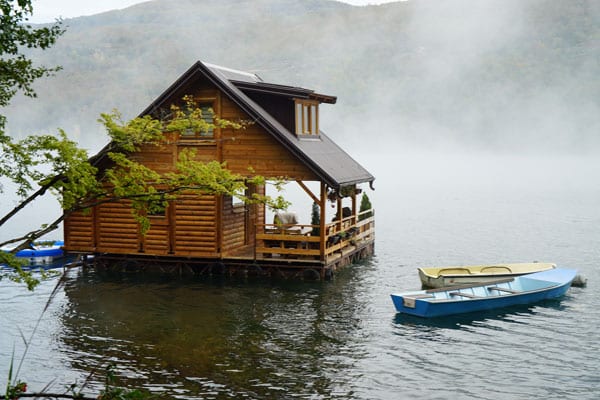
x: 306, y: 117
x: 236, y: 199
x: 208, y: 103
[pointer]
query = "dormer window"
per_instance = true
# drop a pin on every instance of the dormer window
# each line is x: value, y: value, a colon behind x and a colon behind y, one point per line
x: 307, y: 117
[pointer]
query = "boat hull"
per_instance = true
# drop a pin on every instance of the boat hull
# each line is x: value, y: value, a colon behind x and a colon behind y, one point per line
x: 525, y: 289
x: 40, y: 255
x: 459, y: 275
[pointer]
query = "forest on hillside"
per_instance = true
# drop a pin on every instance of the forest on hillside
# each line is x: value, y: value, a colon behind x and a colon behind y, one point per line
x: 513, y: 75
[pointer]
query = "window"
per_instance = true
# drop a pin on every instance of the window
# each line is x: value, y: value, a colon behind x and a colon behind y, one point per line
x: 203, y: 130
x: 237, y: 200
x: 307, y: 117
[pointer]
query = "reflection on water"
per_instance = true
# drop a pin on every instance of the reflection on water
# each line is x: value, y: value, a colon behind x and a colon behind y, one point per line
x: 221, y: 337
x: 487, y: 317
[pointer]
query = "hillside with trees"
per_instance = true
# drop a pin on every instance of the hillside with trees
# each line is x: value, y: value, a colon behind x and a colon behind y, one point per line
x: 514, y: 75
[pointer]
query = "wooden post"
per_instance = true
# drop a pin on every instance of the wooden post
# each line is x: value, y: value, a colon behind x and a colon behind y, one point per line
x: 322, y: 230
x: 220, y: 206
x: 354, y: 218
x: 171, y: 218
x: 95, y: 227
x: 339, y: 214
x: 250, y: 216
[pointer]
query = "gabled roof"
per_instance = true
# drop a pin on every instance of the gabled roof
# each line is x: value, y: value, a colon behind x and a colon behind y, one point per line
x: 321, y: 155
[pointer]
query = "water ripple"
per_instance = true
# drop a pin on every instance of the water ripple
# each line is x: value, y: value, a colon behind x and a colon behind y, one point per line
x: 221, y: 338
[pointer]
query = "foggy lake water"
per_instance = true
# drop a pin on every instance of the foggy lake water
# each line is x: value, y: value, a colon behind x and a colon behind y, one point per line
x: 221, y: 338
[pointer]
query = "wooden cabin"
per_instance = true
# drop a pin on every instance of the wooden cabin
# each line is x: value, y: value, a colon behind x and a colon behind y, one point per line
x: 217, y: 234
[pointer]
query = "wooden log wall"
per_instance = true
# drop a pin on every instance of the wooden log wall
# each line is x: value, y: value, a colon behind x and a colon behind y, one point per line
x: 195, y: 225
x: 79, y: 231
x: 254, y: 147
x: 157, y: 239
x: 234, y: 225
x: 117, y: 229
x: 160, y: 158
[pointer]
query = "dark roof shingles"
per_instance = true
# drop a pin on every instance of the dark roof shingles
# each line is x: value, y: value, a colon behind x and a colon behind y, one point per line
x: 325, y: 158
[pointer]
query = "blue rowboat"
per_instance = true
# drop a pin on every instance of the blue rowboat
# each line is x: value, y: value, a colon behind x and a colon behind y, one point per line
x: 524, y: 289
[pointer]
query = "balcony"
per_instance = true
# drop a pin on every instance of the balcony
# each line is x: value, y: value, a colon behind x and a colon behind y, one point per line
x: 305, y: 243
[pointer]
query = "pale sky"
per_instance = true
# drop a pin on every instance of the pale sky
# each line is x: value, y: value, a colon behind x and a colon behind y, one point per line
x: 49, y: 10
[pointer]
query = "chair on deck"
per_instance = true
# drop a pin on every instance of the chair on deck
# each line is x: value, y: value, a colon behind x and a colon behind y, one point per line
x: 286, y: 222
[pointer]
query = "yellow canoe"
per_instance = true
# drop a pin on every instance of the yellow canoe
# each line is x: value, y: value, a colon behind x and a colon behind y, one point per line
x: 436, y: 277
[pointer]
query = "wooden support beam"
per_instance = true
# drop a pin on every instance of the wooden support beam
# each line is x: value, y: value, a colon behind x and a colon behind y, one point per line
x: 354, y: 210
x: 309, y: 192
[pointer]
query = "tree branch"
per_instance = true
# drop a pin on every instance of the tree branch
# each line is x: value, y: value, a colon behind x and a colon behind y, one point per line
x: 55, y: 396
x: 30, y: 237
x: 41, y: 191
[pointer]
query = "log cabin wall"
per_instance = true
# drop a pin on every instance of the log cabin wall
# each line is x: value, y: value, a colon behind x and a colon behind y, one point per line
x: 235, y: 225
x: 116, y: 229
x: 157, y: 239
x: 255, y: 148
x: 160, y: 158
x: 79, y: 231
x: 188, y: 228
x: 239, y: 222
x: 195, y: 225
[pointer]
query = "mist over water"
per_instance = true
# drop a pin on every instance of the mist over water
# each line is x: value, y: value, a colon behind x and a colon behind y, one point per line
x: 489, y: 76
x: 497, y: 75
x: 452, y: 204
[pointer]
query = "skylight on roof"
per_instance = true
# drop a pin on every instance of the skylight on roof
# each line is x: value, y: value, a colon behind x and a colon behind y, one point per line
x: 249, y: 75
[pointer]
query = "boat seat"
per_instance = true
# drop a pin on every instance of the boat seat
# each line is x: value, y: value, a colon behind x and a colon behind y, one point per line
x: 409, y: 300
x: 470, y: 285
x: 419, y: 296
x: 500, y: 289
x: 471, y: 296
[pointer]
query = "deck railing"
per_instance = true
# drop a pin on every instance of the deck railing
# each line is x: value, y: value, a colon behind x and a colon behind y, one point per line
x: 302, y: 242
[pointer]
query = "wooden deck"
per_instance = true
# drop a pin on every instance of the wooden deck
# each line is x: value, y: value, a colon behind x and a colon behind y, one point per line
x: 279, y: 251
